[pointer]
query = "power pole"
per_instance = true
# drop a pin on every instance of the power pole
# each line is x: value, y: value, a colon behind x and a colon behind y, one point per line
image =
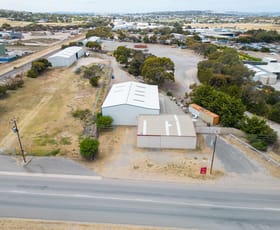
x: 213, y: 154
x: 15, y: 130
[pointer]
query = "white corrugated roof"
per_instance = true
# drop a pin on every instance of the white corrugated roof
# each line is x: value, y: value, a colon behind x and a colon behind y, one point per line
x: 67, y: 52
x: 271, y: 67
x: 133, y: 93
x: 165, y: 125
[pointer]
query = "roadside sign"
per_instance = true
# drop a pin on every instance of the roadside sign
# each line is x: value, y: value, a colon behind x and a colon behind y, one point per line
x: 203, y: 170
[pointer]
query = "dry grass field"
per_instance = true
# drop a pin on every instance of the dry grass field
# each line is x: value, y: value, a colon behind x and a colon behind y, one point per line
x: 13, y: 23
x: 43, y: 109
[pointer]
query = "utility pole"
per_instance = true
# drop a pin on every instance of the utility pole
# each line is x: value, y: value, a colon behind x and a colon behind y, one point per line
x: 15, y: 130
x: 213, y: 154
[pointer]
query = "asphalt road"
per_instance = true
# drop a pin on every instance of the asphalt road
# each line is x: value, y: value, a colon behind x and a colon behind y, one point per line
x: 141, y: 203
x: 185, y: 62
x: 232, y: 158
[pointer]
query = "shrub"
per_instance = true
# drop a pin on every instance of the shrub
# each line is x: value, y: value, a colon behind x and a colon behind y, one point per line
x: 81, y: 114
x: 94, y: 81
x: 3, y: 90
x: 32, y: 73
x: 169, y: 94
x: 89, y: 148
x: 104, y: 122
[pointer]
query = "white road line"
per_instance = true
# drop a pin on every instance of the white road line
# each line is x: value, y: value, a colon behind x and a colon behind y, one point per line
x: 61, y: 176
x: 142, y: 200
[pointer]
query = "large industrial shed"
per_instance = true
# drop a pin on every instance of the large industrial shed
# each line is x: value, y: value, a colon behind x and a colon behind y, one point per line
x: 126, y: 101
x: 166, y: 131
x: 66, y: 57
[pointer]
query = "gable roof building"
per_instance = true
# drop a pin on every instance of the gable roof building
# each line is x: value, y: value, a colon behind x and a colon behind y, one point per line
x: 126, y: 101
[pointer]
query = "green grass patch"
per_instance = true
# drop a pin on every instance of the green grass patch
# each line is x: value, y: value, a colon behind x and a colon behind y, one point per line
x: 45, y: 140
x: 247, y: 57
x: 65, y: 141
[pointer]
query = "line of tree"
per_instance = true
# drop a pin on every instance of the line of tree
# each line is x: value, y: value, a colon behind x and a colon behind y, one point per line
x: 259, y: 35
x: 225, y: 71
x: 228, y: 91
x: 154, y: 70
x: 101, y: 31
x: 38, y: 67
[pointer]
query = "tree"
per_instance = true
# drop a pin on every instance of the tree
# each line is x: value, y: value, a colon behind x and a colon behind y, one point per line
x: 260, y: 135
x: 89, y: 148
x: 37, y: 67
x: 104, y: 122
x: 94, y: 81
x: 229, y: 109
x: 274, y: 114
x: 156, y: 70
x: 102, y: 31
x: 136, y: 63
x: 94, y: 45
x: 92, y: 71
x: 3, y: 90
x: 6, y: 26
x: 121, y: 35
x: 122, y: 54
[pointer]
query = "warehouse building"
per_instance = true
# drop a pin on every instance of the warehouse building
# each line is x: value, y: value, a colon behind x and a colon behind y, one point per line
x: 126, y: 101
x: 262, y: 75
x: 166, y: 131
x: 204, y: 114
x: 66, y: 57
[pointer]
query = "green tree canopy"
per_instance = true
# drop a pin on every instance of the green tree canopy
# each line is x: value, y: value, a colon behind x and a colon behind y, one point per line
x: 274, y: 113
x: 122, y: 54
x: 229, y: 109
x: 259, y: 133
x: 94, y: 45
x: 156, y: 70
x: 3, y: 90
x: 102, y: 31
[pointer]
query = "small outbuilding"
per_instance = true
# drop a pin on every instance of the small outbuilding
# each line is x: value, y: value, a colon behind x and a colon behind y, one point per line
x: 66, y: 57
x: 204, y: 114
x: 166, y: 131
x: 126, y: 101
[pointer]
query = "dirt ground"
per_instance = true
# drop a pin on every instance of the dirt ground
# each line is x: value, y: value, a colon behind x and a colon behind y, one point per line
x: 21, y: 224
x: 119, y: 157
x: 43, y: 110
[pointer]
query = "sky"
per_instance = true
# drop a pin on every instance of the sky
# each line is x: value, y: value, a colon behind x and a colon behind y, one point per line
x: 137, y: 6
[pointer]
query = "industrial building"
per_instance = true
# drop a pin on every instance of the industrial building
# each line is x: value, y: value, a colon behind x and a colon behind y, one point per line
x: 91, y: 39
x: 166, y: 131
x: 6, y: 56
x: 66, y: 57
x: 262, y: 74
x: 126, y: 101
x: 204, y: 114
